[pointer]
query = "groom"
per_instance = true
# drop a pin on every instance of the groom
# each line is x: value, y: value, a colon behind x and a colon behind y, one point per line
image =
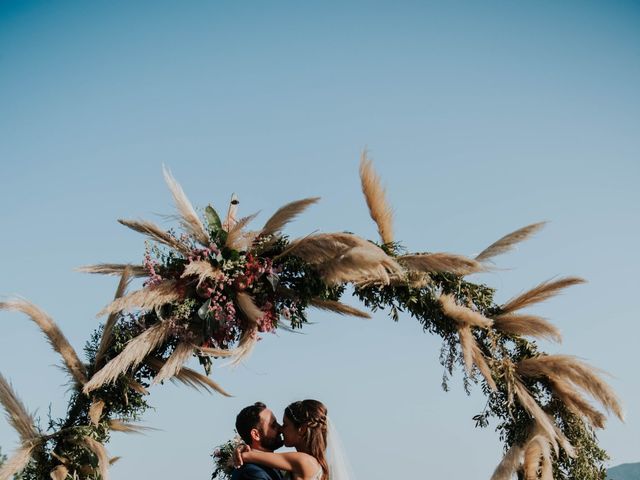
x: 258, y: 427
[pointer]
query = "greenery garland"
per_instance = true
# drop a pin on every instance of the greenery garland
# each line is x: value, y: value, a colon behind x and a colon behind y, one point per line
x: 213, y: 289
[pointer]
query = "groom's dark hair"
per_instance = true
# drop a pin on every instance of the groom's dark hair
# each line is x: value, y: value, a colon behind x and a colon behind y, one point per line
x: 248, y: 419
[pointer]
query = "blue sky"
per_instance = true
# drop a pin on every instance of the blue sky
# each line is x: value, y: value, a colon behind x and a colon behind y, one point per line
x: 481, y: 117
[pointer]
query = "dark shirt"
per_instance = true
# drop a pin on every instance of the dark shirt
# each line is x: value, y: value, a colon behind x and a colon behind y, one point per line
x: 251, y: 471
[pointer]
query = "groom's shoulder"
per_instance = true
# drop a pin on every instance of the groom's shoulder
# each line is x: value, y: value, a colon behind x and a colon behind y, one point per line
x: 251, y: 471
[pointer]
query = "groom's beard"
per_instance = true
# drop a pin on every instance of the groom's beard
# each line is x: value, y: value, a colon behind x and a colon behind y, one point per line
x: 272, y: 443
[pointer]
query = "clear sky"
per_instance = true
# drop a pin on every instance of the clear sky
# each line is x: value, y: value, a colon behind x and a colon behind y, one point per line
x: 481, y: 117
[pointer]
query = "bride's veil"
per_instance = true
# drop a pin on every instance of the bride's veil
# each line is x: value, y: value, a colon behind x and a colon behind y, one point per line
x: 339, y: 468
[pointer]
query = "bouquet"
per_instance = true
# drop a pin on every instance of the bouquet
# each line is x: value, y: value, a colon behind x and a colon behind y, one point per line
x: 223, y: 458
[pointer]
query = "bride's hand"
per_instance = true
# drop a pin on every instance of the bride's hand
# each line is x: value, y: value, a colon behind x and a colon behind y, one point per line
x: 237, y: 454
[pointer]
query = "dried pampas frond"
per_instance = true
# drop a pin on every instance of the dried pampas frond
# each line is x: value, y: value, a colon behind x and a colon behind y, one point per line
x: 285, y: 214
x: 235, y: 234
x: 17, y: 462
x: 134, y: 353
x: 540, y: 293
x: 135, y: 386
x: 101, y: 454
x: 537, y: 455
x: 95, y: 411
x: 361, y: 264
x: 559, y: 368
x: 16, y: 412
x: 248, y: 307
x: 114, y: 269
x: 441, y: 262
x: 175, y: 362
x: 190, y: 378
x: 463, y: 315
x: 527, y: 326
x: 337, y: 307
x: 472, y: 355
x: 375, y: 195
x: 322, y: 247
x: 201, y: 269
x: 189, y: 218
x: 120, y: 426
x: 576, y: 403
x: 154, y: 232
x: 55, y: 336
x: 217, y: 352
x: 509, y: 241
x: 59, y: 473
x: 146, y: 298
x: 246, y: 344
x: 105, y: 340
x: 510, y: 464
x: 542, y: 420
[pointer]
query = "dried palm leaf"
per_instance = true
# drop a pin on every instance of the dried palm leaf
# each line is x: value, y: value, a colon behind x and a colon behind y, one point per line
x: 146, y: 298
x: 95, y: 411
x: 134, y: 353
x: 17, y: 462
x: 59, y: 473
x: 201, y: 269
x: 510, y: 464
x: 463, y: 315
x: 107, y: 332
x: 375, y: 195
x: 190, y: 378
x: 235, y: 234
x: 285, y: 214
x: 155, y: 233
x: 509, y: 241
x: 567, y: 368
x: 114, y: 269
x: 230, y: 221
x: 338, y: 307
x: 175, y: 362
x: 527, y: 325
x: 101, y: 454
x: 540, y: 293
x: 16, y: 412
x: 189, y: 218
x: 55, y: 336
x: 441, y: 262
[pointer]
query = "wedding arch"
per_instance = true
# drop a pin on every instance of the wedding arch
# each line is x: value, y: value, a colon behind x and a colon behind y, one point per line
x: 211, y: 287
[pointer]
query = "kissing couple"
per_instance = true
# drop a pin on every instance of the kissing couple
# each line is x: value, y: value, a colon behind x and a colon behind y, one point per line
x: 305, y: 427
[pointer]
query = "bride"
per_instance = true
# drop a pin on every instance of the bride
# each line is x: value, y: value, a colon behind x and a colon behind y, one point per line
x: 304, y: 427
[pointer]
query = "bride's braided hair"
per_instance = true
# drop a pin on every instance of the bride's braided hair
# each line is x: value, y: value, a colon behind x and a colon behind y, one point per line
x: 311, y: 415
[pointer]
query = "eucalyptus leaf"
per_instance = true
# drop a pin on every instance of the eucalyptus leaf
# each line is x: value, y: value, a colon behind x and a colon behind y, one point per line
x: 203, y: 311
x: 273, y: 280
x: 213, y: 219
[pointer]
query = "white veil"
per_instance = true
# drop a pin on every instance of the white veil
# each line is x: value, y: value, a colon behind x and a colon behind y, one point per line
x: 339, y: 468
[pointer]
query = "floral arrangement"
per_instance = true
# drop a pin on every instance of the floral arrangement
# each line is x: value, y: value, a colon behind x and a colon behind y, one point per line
x: 211, y: 290
x: 223, y: 458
